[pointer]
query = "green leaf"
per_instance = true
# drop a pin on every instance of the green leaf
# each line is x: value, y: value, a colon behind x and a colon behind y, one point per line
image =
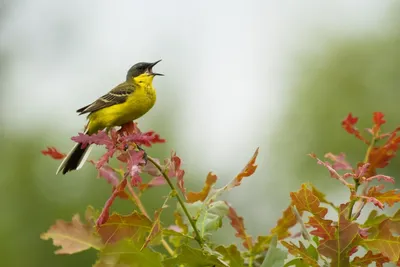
x: 231, y: 255
x: 127, y: 253
x: 374, y: 219
x: 194, y: 258
x: 300, y: 251
x: 313, y: 252
x: 208, y: 217
x: 261, y: 244
x: 275, y: 257
x: 298, y: 262
x: 177, y: 239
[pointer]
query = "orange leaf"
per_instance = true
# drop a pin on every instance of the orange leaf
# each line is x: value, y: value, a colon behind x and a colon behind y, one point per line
x: 389, y: 197
x: 369, y: 258
x: 118, y: 227
x: 283, y: 225
x: 319, y: 195
x: 379, y: 157
x: 202, y: 195
x: 381, y: 239
x: 301, y: 252
x: 247, y: 171
x: 305, y: 200
x: 73, y: 236
x: 238, y: 224
x: 378, y: 122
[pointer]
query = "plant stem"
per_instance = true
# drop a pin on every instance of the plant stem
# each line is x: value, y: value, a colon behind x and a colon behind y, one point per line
x: 139, y: 204
x: 192, y: 223
x: 251, y: 261
x: 137, y: 201
x: 357, y: 182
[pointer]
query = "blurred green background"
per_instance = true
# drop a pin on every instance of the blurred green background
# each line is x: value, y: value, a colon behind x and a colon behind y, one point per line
x: 239, y: 74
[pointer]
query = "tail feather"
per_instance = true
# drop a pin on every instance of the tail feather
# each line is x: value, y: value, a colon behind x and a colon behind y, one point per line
x: 75, y: 159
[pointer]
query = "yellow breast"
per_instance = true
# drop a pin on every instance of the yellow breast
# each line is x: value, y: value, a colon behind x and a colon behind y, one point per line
x: 136, y: 105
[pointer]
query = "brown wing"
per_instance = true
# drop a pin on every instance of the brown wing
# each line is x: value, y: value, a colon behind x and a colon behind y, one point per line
x: 117, y: 95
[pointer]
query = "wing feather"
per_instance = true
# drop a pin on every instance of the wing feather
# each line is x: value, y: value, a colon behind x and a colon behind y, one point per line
x: 117, y: 95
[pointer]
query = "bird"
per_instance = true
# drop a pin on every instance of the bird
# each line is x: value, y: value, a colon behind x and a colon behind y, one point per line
x: 124, y: 103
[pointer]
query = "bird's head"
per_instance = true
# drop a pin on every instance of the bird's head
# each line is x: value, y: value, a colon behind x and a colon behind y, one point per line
x: 142, y: 71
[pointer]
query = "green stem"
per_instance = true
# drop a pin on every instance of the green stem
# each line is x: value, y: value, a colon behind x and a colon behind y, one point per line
x: 251, y: 261
x: 192, y: 223
x: 356, y: 181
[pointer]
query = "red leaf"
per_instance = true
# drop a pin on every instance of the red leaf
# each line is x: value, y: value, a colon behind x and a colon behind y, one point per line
x: 109, y: 174
x: 176, y: 171
x: 339, y: 161
x: 145, y: 139
x: 378, y: 121
x: 381, y: 177
x: 156, y: 181
x: 322, y: 228
x: 202, y: 195
x: 53, y: 152
x: 238, y: 224
x: 134, y: 159
x: 332, y: 171
x: 373, y: 200
x: 349, y: 125
x: 100, y: 138
x: 106, y: 209
x: 338, y: 249
x: 105, y: 158
x: 361, y: 170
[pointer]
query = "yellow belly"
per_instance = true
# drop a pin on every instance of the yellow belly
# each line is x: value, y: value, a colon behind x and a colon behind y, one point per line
x: 137, y: 104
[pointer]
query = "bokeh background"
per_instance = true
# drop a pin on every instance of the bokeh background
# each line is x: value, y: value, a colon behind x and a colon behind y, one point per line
x: 239, y: 74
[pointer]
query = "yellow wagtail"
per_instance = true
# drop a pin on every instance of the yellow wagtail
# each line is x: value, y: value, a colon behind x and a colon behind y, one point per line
x: 126, y: 102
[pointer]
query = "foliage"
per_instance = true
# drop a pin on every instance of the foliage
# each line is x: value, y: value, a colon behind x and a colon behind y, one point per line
x: 329, y: 234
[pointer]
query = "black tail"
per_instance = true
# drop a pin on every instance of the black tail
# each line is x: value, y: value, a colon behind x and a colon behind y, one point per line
x: 74, y: 160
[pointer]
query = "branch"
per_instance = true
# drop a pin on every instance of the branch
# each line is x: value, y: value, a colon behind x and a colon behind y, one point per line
x: 357, y: 182
x: 176, y: 194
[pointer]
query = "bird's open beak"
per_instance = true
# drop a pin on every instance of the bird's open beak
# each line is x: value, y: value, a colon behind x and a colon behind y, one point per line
x: 151, y: 69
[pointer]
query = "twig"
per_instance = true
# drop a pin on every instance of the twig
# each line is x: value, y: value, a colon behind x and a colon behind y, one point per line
x: 137, y: 201
x: 139, y: 204
x: 357, y: 182
x: 176, y: 194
